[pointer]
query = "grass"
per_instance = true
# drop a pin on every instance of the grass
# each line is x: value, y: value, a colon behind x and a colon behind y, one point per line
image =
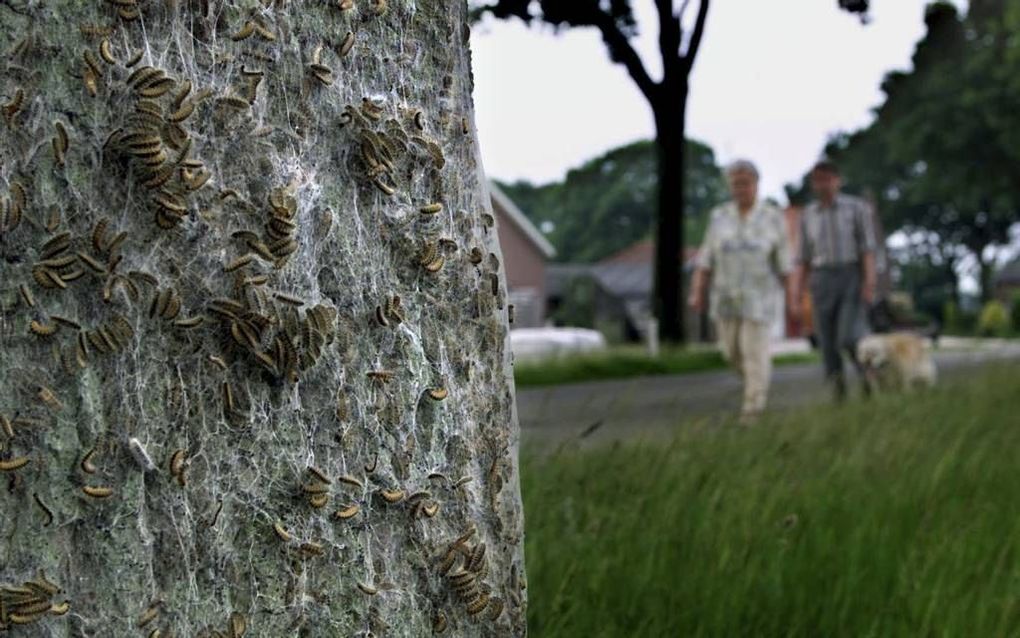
x: 885, y: 519
x: 624, y: 362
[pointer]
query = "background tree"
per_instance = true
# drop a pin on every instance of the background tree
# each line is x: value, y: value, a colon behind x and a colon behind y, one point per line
x: 941, y: 154
x: 922, y: 270
x: 253, y: 363
x: 609, y: 202
x: 668, y: 101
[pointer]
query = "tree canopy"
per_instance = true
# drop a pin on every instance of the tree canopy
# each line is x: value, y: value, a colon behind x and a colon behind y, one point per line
x: 942, y: 153
x: 609, y: 202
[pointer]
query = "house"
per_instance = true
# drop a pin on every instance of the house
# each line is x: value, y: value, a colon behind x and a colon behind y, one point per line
x: 620, y: 287
x: 1006, y: 281
x: 525, y: 254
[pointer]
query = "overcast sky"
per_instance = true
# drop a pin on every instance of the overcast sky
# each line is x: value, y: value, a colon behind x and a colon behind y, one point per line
x: 772, y: 81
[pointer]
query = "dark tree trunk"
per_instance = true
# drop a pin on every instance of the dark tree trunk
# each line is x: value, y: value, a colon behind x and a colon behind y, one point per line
x: 670, y: 118
x: 954, y: 292
x: 985, y: 272
x: 986, y: 268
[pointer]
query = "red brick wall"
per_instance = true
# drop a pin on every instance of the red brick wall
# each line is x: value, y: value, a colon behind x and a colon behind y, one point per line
x: 525, y: 273
x: 524, y: 262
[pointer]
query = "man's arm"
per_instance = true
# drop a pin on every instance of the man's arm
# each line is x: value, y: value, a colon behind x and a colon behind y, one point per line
x: 783, y: 261
x: 799, y: 284
x: 869, y: 277
x: 867, y: 245
x: 802, y: 270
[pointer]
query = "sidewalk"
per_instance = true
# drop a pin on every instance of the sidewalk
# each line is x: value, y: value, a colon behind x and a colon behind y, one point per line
x: 653, y: 406
x: 790, y: 346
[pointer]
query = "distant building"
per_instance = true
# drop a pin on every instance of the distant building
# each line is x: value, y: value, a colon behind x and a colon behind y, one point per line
x: 525, y: 254
x: 622, y: 287
x: 1006, y: 281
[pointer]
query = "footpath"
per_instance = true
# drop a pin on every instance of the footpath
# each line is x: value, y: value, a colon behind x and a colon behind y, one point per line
x: 604, y: 411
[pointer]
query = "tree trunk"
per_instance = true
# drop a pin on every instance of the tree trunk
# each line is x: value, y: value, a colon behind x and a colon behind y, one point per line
x: 954, y: 279
x: 986, y: 269
x: 253, y: 375
x: 670, y: 121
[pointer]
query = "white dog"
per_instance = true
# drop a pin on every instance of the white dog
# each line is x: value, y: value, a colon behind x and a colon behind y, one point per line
x: 896, y: 361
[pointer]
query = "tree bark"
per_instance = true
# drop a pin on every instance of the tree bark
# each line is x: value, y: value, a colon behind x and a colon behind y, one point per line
x: 255, y: 380
x: 670, y: 122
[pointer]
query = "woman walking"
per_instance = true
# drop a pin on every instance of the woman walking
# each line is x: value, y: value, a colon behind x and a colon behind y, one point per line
x: 744, y: 254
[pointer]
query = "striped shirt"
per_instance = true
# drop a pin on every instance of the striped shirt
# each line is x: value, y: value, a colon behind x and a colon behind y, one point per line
x: 746, y: 257
x: 837, y: 235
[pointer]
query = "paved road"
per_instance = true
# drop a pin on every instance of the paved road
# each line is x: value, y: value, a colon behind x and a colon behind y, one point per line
x: 651, y: 406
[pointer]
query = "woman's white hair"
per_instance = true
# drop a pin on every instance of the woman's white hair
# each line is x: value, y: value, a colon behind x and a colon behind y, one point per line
x: 742, y: 166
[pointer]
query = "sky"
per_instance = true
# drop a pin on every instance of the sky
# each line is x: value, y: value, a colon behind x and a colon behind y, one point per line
x: 772, y: 81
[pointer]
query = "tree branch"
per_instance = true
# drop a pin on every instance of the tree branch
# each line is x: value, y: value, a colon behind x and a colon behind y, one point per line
x: 503, y: 9
x: 670, y: 31
x: 621, y: 51
x: 577, y: 13
x: 696, y: 36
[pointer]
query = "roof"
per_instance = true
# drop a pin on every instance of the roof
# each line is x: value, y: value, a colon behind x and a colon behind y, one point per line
x: 514, y: 214
x: 558, y: 276
x: 639, y: 251
x: 643, y: 252
x: 623, y: 278
x: 626, y: 274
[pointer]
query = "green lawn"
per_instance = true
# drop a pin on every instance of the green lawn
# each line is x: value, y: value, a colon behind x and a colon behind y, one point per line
x: 898, y: 517
x: 626, y: 361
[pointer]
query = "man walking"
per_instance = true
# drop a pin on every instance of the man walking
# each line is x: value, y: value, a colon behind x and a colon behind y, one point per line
x: 837, y: 262
x: 745, y: 252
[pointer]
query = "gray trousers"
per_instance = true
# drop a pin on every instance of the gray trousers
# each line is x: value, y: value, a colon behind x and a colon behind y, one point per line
x: 839, y: 315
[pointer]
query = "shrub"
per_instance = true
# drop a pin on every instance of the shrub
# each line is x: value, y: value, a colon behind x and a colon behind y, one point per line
x: 993, y: 320
x: 952, y: 318
x: 578, y: 306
